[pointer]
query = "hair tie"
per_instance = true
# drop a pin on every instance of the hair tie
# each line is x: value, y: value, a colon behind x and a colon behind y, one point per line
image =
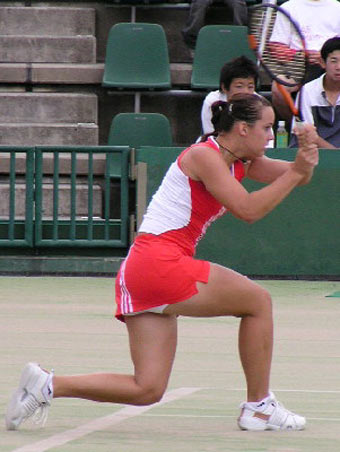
x: 230, y: 109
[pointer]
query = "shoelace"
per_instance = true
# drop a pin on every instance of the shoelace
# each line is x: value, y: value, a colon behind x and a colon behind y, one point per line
x: 41, y: 415
x: 280, y: 405
x: 276, y: 403
x: 37, y: 410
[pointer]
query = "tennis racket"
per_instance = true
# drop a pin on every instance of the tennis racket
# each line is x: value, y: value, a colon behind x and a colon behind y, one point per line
x: 280, y: 49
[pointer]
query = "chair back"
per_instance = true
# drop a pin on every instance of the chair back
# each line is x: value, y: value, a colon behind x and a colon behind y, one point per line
x: 215, y: 46
x: 137, y: 57
x: 135, y: 130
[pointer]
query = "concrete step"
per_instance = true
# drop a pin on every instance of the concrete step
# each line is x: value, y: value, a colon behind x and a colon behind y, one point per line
x: 45, y: 73
x: 30, y: 134
x: 66, y: 73
x: 52, y: 73
x: 47, y: 49
x: 56, y: 21
x: 48, y: 108
x: 99, y: 164
x: 64, y: 200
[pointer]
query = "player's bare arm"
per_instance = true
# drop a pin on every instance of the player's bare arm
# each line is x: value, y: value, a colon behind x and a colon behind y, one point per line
x: 212, y: 170
x: 266, y: 170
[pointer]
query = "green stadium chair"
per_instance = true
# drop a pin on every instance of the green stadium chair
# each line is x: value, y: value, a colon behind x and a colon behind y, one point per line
x: 137, y: 58
x: 217, y: 44
x: 135, y: 130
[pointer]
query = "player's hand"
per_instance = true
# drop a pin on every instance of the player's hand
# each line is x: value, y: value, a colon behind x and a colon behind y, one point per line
x: 305, y: 133
x: 307, y: 156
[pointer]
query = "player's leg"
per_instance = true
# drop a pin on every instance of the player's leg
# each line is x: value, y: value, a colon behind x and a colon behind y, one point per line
x: 229, y: 293
x: 153, y: 344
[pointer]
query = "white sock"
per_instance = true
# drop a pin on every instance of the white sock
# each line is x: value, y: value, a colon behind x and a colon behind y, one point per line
x: 47, y: 390
x: 260, y: 403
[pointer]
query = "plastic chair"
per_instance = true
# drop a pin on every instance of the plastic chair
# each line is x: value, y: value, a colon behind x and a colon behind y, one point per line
x: 135, y: 130
x: 217, y: 44
x: 137, y: 57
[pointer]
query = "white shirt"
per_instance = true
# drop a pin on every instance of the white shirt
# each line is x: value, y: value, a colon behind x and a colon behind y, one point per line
x: 206, y: 114
x: 317, y: 110
x: 318, y: 20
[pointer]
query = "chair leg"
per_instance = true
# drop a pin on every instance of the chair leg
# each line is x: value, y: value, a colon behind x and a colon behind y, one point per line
x: 133, y: 14
x: 137, y: 102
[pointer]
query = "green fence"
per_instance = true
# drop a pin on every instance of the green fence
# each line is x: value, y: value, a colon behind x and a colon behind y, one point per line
x: 16, y: 196
x: 299, y: 238
x: 71, y: 198
x: 54, y: 199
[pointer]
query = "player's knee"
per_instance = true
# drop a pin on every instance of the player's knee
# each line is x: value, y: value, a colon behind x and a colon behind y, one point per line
x: 155, y: 395
x: 151, y: 394
x: 264, y: 300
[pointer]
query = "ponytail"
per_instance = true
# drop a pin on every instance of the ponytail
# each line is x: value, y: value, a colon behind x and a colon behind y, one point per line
x: 242, y: 107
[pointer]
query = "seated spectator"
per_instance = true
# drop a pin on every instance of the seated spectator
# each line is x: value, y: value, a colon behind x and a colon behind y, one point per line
x: 196, y: 18
x: 320, y: 98
x: 239, y: 75
x: 318, y: 20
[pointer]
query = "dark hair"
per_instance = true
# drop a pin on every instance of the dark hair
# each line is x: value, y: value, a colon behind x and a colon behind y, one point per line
x: 242, y: 107
x: 329, y: 46
x: 240, y: 67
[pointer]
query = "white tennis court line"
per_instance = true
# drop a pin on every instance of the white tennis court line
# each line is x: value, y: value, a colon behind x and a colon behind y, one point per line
x: 225, y: 416
x: 102, y: 423
x: 304, y: 391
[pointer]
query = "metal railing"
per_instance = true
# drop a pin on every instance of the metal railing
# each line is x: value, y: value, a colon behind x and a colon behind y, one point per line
x: 71, y: 197
x: 16, y: 196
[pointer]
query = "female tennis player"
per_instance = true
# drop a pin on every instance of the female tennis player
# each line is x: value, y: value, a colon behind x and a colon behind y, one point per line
x: 160, y: 279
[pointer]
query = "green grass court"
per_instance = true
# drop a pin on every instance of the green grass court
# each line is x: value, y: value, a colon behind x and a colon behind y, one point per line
x: 67, y: 324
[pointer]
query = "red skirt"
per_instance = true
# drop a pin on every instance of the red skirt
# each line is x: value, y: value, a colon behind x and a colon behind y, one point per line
x: 156, y: 272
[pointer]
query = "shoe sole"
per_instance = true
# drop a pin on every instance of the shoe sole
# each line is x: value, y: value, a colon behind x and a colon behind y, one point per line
x: 27, y: 374
x: 269, y: 427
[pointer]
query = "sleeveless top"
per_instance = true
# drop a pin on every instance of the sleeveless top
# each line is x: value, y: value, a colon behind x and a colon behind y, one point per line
x: 182, y: 209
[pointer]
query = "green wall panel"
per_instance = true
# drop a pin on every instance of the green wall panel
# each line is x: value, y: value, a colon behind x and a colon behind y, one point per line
x: 301, y: 237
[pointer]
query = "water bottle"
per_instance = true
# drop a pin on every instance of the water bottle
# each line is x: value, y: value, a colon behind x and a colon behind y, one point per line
x: 281, y: 135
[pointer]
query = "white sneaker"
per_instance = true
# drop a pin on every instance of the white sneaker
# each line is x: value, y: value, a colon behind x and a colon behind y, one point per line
x: 32, y: 397
x: 279, y: 417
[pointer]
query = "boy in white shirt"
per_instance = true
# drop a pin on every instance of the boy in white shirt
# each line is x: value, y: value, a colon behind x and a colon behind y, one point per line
x: 239, y: 75
x: 318, y: 20
x: 320, y: 98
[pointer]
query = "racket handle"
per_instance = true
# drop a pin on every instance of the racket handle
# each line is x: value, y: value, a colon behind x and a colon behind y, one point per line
x: 288, y: 99
x: 299, y: 123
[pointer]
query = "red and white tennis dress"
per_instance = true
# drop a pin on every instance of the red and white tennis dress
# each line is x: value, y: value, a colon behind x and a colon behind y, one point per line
x: 160, y: 267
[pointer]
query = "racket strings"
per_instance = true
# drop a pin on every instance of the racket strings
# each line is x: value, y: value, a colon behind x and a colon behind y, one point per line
x: 286, y: 64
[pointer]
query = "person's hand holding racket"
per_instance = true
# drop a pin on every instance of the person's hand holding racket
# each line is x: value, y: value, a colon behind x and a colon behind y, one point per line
x: 307, y: 156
